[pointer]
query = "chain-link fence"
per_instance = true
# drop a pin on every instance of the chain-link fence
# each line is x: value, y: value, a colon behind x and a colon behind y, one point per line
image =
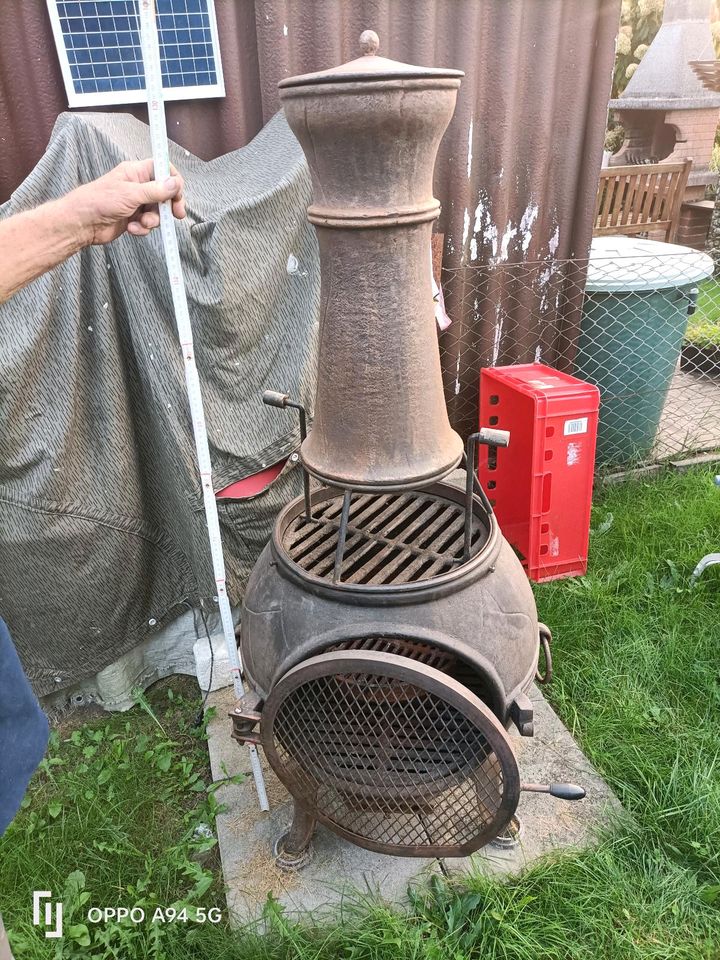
x: 645, y: 328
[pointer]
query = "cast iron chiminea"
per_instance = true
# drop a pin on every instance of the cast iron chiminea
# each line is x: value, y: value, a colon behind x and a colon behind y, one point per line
x: 388, y: 629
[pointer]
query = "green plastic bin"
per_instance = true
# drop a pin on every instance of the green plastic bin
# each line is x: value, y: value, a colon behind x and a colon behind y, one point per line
x: 638, y: 296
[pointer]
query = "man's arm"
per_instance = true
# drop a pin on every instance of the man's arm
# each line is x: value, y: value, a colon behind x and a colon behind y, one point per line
x: 124, y: 200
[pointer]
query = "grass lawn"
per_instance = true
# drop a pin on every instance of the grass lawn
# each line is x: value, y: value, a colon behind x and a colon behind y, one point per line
x: 111, y: 817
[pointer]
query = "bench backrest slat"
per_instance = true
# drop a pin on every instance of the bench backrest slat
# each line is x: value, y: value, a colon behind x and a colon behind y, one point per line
x: 637, y: 199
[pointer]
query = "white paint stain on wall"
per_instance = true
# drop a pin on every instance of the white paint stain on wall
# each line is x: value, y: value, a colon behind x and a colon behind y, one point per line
x: 510, y: 233
x: 526, y: 224
x: 497, y: 340
x: 490, y: 236
x: 480, y: 211
x: 457, y: 375
x: 554, y: 242
x: 483, y: 226
x: 538, y: 353
x: 466, y: 227
x: 285, y: 30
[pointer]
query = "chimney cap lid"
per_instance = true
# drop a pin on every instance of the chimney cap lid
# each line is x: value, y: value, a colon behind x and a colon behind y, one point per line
x: 369, y: 67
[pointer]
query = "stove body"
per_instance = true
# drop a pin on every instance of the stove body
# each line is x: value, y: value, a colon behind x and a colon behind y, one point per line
x: 388, y: 630
x: 401, y: 583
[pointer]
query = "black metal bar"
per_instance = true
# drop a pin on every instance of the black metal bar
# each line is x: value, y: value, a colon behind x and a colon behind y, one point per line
x: 306, y: 476
x: 342, y: 534
x: 469, y: 490
x: 273, y: 398
x: 493, y: 438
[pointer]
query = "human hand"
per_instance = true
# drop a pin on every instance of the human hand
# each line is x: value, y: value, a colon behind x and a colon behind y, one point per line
x: 124, y: 200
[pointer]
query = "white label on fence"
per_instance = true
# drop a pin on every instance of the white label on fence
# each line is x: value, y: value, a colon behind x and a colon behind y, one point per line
x: 575, y: 426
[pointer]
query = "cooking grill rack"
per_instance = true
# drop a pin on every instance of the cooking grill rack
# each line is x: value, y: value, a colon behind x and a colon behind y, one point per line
x: 388, y: 538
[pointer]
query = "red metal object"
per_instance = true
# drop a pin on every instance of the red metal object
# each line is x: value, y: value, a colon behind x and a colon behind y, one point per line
x: 252, y: 485
x: 541, y: 484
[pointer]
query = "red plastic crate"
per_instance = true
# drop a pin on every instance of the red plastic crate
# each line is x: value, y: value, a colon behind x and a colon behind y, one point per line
x: 541, y: 484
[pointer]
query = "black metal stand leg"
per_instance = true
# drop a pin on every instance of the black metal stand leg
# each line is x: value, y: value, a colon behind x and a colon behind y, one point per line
x: 293, y: 850
x: 342, y: 534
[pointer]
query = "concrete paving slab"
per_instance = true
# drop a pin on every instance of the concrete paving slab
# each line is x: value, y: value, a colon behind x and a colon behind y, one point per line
x: 246, y: 835
x: 691, y: 416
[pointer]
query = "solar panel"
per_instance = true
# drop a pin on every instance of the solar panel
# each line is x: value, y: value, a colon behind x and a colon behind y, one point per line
x: 98, y: 43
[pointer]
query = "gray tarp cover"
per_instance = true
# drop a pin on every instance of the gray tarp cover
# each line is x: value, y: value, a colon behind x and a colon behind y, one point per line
x: 101, y: 519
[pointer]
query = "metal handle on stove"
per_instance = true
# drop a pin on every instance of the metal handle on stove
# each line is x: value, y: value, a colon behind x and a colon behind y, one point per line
x: 563, y: 791
x: 545, y: 638
x: 491, y: 438
x: 273, y: 398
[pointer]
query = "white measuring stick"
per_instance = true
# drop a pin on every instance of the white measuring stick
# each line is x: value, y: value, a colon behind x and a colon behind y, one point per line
x: 161, y: 163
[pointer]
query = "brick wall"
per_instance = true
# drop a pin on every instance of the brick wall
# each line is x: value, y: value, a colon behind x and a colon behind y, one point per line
x: 696, y: 134
x: 693, y: 226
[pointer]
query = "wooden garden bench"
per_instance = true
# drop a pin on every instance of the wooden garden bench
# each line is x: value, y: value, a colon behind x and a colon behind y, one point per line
x: 643, y: 198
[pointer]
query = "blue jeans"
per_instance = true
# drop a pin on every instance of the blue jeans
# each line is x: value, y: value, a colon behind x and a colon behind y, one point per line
x: 23, y: 730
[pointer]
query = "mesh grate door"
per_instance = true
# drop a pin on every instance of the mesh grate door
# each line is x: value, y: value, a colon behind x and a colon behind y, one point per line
x: 391, y: 753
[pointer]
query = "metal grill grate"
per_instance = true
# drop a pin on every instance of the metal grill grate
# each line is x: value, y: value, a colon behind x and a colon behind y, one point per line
x: 426, y: 653
x: 391, y: 538
x: 390, y: 762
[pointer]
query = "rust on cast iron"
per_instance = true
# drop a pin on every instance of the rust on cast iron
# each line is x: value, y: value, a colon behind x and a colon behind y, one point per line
x: 370, y: 130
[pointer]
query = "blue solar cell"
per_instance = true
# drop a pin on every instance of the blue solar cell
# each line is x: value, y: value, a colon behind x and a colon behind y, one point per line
x: 102, y: 43
x: 74, y: 25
